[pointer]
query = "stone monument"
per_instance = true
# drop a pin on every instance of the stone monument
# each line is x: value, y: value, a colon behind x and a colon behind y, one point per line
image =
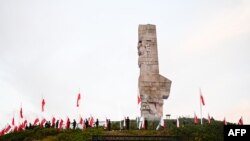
x: 153, y: 87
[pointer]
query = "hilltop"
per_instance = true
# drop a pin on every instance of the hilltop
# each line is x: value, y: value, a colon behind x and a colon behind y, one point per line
x: 187, y: 130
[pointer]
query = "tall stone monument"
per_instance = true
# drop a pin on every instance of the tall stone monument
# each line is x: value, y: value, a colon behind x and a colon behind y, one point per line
x: 153, y: 87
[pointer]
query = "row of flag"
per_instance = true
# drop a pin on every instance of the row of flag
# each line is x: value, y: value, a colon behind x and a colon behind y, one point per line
x: 202, y: 103
x: 41, y: 122
x: 21, y: 126
x: 196, y: 120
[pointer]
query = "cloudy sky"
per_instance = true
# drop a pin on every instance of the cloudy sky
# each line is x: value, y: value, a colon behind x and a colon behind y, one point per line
x: 54, y: 48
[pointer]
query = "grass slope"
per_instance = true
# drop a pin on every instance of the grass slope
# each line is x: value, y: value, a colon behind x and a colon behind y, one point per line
x: 205, y: 132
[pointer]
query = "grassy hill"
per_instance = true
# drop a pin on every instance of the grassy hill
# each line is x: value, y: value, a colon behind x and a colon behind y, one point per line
x: 189, y: 131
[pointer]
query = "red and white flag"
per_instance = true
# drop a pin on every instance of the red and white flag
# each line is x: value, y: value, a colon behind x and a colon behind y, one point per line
x: 240, y: 121
x: 161, y: 124
x: 42, y: 122
x: 43, y: 104
x: 81, y: 120
x: 138, y: 97
x: 7, y: 129
x: 15, y: 129
x: 53, y: 121
x: 201, y: 98
x: 24, y: 123
x: 124, y: 122
x: 20, y: 127
x: 224, y: 121
x: 2, y: 132
x: 91, y: 121
x: 13, y: 121
x: 68, y: 123
x: 177, y: 123
x: 143, y: 122
x: 21, y: 112
x: 106, y: 123
x: 61, y: 124
x: 78, y: 100
x: 209, y: 119
x: 195, y: 119
x: 36, y: 121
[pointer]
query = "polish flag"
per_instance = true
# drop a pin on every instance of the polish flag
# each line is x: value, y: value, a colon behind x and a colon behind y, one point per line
x: 81, y: 120
x: 36, y: 121
x: 60, y: 124
x: 24, y: 123
x: 138, y: 97
x: 143, y: 122
x: 124, y: 122
x: 195, y: 119
x: 240, y: 121
x: 209, y: 119
x: 42, y: 122
x: 78, y: 100
x: 106, y: 123
x: 7, y: 129
x: 177, y: 123
x: 53, y: 121
x: 13, y: 121
x: 224, y: 121
x: 161, y: 124
x: 20, y: 127
x: 21, y: 112
x: 91, y: 121
x: 15, y: 129
x: 68, y: 123
x: 201, y: 98
x: 2, y: 132
x: 43, y: 104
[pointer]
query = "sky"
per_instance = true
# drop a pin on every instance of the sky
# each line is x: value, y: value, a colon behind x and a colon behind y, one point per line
x: 54, y: 49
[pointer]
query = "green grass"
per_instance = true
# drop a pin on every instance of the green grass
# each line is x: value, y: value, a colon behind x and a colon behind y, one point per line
x: 205, y: 132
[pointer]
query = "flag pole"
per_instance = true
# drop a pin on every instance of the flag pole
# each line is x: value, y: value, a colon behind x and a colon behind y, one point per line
x: 20, y: 118
x: 200, y: 106
x: 43, y: 113
x: 139, y: 104
x: 201, y: 111
x: 79, y: 104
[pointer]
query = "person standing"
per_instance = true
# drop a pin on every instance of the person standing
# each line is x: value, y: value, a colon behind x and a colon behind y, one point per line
x: 57, y: 122
x: 146, y: 124
x: 86, y: 123
x: 109, y: 125
x: 127, y: 123
x: 97, y: 123
x: 74, y: 124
